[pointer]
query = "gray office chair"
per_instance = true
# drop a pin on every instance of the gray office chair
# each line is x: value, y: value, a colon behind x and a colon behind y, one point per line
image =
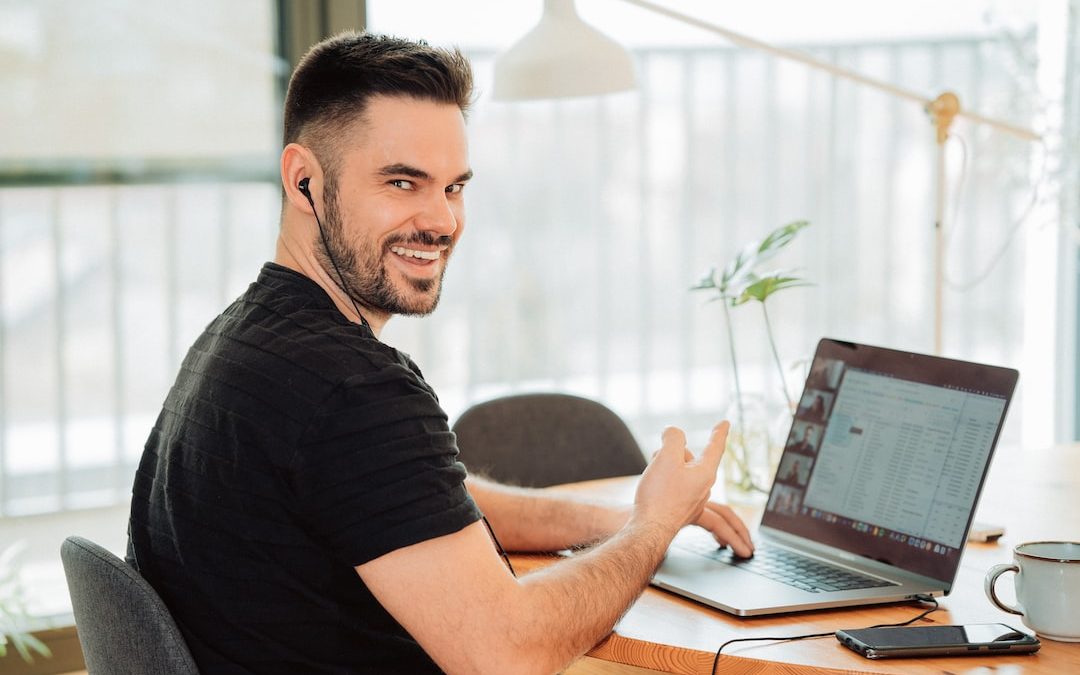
x: 536, y: 440
x: 124, y: 627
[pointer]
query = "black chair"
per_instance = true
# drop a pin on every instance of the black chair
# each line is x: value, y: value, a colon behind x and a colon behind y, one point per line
x: 536, y: 440
x: 124, y: 627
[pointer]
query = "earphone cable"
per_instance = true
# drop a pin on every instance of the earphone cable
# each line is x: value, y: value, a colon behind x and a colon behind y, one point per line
x: 499, y: 546
x: 326, y: 247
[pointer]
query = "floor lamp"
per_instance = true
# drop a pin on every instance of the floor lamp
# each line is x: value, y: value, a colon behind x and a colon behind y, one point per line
x: 563, y: 56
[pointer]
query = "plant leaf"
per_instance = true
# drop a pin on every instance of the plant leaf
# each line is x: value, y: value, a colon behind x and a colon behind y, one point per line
x: 25, y: 643
x: 763, y: 287
x: 738, y: 283
x: 737, y: 273
x: 779, y: 238
x: 755, y: 253
x: 13, y: 609
x: 707, y: 280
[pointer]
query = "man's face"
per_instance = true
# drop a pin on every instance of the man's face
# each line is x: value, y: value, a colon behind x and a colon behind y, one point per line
x: 395, y: 209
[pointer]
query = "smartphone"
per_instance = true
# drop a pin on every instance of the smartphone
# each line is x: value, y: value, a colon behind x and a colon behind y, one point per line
x: 976, y: 639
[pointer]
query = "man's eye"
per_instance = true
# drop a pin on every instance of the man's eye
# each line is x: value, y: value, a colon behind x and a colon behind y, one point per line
x: 402, y: 183
x: 455, y: 188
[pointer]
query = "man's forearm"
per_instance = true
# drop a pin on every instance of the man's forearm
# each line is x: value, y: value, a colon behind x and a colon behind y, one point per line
x: 528, y: 519
x: 576, y: 603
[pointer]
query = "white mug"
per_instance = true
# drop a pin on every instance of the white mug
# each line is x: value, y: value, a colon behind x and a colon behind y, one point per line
x: 1047, y: 588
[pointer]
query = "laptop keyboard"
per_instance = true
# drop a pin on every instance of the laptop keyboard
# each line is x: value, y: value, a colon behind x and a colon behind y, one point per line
x: 787, y: 567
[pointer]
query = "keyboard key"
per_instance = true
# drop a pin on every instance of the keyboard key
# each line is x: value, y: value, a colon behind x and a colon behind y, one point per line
x: 788, y: 567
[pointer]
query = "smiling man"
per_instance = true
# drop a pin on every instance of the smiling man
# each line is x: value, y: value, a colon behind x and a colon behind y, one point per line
x: 394, y: 207
x: 299, y: 505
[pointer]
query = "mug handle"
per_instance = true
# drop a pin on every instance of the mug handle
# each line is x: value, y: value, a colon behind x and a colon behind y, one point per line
x: 988, y: 586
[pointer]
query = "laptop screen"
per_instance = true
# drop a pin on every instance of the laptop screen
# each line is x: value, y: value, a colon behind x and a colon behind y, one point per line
x: 888, y: 453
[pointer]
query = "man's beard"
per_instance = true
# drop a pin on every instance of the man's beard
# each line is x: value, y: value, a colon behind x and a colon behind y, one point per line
x: 362, y: 268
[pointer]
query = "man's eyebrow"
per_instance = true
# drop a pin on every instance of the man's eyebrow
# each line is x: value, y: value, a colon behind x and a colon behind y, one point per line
x: 404, y: 170
x: 419, y: 174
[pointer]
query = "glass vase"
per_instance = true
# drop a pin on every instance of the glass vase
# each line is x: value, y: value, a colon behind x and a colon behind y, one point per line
x: 756, y: 439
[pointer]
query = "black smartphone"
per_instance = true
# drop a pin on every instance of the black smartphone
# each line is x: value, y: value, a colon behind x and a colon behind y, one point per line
x: 975, y: 639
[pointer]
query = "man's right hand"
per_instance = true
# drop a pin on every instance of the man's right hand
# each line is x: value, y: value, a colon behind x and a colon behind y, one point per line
x: 675, y: 487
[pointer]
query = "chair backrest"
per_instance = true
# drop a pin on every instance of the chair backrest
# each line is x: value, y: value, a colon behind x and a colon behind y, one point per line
x: 124, y: 627
x: 536, y: 440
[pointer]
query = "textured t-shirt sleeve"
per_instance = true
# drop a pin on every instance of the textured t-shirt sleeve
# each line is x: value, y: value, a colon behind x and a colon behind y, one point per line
x: 378, y: 468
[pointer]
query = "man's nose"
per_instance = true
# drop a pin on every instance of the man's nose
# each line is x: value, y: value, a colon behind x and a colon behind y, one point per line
x: 439, y: 216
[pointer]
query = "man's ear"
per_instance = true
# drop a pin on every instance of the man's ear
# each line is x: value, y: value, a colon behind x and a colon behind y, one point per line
x: 297, y: 163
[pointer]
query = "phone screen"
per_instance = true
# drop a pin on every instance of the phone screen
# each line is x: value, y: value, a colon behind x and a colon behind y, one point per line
x: 972, y: 639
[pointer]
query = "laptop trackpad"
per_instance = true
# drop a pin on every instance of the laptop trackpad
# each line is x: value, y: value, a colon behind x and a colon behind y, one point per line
x: 721, y: 585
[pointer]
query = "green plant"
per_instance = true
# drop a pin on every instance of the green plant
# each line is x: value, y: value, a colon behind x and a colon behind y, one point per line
x: 13, y: 615
x: 739, y: 283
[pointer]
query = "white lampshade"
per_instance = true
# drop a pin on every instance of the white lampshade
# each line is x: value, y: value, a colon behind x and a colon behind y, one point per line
x: 562, y: 56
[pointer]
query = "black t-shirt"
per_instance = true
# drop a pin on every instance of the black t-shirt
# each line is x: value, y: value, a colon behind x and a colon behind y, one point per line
x: 292, y: 447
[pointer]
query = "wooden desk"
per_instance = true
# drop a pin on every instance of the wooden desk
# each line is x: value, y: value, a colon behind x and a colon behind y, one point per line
x: 1034, y: 495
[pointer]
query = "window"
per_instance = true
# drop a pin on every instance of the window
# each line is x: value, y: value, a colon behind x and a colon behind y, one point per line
x: 137, y: 191
x: 590, y: 218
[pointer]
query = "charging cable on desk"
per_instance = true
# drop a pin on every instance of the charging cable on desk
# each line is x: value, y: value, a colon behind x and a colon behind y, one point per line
x: 792, y: 638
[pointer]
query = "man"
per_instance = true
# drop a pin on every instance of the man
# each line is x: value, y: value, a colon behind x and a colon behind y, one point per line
x: 299, y: 505
x: 808, y: 443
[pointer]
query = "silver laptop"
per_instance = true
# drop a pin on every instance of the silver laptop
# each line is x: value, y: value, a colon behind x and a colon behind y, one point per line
x: 875, y: 490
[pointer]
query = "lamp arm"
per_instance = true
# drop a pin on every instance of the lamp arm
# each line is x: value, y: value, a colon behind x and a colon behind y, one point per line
x: 790, y: 55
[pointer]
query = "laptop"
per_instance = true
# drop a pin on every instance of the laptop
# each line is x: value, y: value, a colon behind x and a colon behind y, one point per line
x: 874, y: 493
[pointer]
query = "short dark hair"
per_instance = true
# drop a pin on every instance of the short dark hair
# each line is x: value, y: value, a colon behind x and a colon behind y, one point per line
x: 336, y: 78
